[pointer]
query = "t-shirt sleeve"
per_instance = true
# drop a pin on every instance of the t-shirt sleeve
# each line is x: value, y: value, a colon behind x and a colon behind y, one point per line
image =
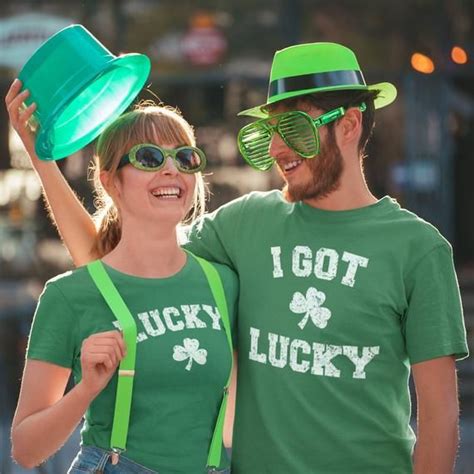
x: 213, y: 236
x: 434, y: 323
x: 53, y: 328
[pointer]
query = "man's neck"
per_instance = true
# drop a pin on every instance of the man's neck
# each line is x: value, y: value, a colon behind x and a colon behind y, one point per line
x: 352, y: 192
x: 343, y: 200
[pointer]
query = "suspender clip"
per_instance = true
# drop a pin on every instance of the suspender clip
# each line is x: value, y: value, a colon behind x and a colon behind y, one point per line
x: 126, y: 373
x: 115, y: 456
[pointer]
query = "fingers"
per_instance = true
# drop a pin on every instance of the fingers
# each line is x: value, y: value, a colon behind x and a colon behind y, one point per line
x: 16, y: 102
x: 13, y: 91
x: 108, y: 343
x: 109, y: 347
x: 118, y: 335
x: 115, y: 336
x: 102, y: 358
x: 18, y: 112
x: 26, y: 114
x: 101, y: 354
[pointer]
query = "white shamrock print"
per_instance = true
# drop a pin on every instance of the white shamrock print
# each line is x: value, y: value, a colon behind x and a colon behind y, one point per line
x: 190, y: 350
x: 311, y: 307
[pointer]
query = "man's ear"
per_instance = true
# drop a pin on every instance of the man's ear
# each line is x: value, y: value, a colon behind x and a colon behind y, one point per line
x: 350, y: 126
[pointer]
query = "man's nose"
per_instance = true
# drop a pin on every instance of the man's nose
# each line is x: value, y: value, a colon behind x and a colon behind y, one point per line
x: 277, y: 146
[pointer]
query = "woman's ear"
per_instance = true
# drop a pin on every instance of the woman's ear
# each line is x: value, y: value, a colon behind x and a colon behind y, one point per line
x: 104, y: 180
x: 108, y: 183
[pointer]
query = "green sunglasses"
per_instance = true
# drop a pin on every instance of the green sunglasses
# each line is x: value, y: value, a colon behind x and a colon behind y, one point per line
x: 296, y: 128
x: 149, y: 157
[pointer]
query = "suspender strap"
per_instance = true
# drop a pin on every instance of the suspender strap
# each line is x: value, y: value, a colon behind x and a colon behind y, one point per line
x: 123, y: 399
x: 217, y: 289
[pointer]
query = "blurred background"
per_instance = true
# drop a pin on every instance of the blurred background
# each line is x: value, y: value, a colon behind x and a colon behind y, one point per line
x: 211, y: 58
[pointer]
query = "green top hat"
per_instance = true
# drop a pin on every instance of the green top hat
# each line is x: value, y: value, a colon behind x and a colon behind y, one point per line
x: 317, y: 67
x: 79, y: 88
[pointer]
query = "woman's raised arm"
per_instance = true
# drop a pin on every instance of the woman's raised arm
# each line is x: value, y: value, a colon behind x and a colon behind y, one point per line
x: 74, y: 223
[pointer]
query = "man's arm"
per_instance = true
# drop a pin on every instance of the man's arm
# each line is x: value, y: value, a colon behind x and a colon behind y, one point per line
x: 214, y: 236
x: 438, y: 416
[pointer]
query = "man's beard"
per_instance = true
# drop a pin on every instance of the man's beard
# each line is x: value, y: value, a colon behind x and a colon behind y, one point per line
x: 325, y: 169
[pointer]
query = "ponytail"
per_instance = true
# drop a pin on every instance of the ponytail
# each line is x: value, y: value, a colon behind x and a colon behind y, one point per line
x: 106, y: 217
x: 109, y: 230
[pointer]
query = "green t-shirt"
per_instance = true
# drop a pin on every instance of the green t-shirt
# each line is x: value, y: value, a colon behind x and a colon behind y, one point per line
x: 334, y: 307
x: 183, y: 359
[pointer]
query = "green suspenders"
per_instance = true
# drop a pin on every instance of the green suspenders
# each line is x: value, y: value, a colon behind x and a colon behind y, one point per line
x: 126, y: 372
x: 215, y: 282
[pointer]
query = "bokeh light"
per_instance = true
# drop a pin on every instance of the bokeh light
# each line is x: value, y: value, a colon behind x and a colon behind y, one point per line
x: 459, y: 55
x: 422, y: 63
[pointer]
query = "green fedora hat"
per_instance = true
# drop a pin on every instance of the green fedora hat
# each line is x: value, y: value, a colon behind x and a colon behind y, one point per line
x: 317, y: 67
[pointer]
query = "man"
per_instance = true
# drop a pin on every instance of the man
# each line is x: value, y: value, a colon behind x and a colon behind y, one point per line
x: 340, y: 292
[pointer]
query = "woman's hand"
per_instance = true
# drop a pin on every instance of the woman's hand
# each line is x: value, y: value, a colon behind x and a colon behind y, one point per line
x: 20, y: 115
x: 100, y: 356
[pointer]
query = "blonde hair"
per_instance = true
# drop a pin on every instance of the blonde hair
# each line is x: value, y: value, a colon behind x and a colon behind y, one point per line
x: 147, y: 123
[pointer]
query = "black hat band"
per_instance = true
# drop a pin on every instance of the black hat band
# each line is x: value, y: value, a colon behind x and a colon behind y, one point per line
x: 318, y: 80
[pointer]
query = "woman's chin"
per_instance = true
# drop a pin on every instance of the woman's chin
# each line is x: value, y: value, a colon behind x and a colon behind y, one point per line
x: 169, y: 215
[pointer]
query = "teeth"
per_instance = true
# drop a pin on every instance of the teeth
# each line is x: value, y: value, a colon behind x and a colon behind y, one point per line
x: 291, y: 165
x: 166, y: 192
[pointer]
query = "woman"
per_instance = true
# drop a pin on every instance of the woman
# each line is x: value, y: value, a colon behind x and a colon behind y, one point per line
x: 148, y: 174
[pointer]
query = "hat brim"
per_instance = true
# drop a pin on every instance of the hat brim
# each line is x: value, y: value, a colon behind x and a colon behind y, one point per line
x: 386, y: 96
x: 81, y: 118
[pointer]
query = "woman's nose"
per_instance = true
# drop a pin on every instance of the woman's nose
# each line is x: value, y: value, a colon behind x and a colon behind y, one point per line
x: 170, y: 166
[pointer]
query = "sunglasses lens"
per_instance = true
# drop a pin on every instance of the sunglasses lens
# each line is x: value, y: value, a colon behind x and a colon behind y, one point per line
x: 298, y: 132
x: 149, y: 157
x: 189, y: 160
x: 254, y: 144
